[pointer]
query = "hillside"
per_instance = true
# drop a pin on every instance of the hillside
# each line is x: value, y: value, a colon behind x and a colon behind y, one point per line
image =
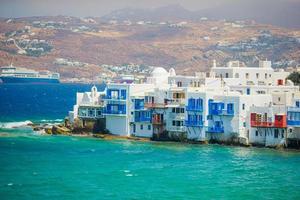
x: 85, y: 48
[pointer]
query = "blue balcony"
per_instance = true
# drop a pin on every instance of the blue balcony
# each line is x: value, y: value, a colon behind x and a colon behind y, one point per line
x: 114, y: 112
x: 293, y: 123
x: 139, y: 104
x: 115, y: 94
x: 218, y: 108
x: 228, y: 112
x: 194, y: 108
x: 189, y: 123
x: 293, y: 116
x: 142, y: 116
x: 194, y: 105
x: 115, y: 109
x: 142, y: 119
x: 215, y: 129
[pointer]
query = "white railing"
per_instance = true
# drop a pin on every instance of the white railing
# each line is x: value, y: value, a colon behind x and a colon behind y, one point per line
x: 293, y: 109
x: 177, y: 128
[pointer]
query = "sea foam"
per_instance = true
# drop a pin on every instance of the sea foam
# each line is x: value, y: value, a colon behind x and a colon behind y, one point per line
x: 10, y: 125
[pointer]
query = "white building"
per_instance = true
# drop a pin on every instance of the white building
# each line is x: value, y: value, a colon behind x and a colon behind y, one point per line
x: 225, y: 105
x: 89, y: 105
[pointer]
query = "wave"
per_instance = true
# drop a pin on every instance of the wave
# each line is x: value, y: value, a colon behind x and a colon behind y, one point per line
x: 10, y: 125
x: 51, y: 120
x: 18, y: 124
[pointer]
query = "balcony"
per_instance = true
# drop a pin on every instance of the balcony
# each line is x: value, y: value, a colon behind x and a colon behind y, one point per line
x: 142, y: 119
x: 114, y: 98
x: 218, y: 108
x: 158, y: 122
x: 215, y: 129
x: 142, y: 116
x: 90, y: 112
x: 114, y: 112
x: 113, y: 109
x: 293, y: 123
x: 293, y: 109
x: 155, y: 105
x: 195, y: 105
x: 293, y: 116
x: 177, y: 128
x: 190, y: 108
x: 264, y: 124
x: 279, y: 121
x: 176, y: 102
x: 193, y: 123
x: 222, y: 112
x: 139, y: 104
x: 115, y: 94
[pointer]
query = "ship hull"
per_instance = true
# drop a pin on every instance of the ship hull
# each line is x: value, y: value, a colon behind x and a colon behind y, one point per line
x: 28, y: 80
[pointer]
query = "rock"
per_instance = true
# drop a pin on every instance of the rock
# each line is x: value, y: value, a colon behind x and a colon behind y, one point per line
x: 38, y: 128
x: 60, y: 130
x: 48, y: 130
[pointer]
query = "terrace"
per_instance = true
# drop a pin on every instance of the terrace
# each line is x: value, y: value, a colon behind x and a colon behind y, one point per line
x: 194, y: 105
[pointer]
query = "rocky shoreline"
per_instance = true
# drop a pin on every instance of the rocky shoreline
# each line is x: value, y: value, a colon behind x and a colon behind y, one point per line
x: 61, y: 129
x: 67, y: 130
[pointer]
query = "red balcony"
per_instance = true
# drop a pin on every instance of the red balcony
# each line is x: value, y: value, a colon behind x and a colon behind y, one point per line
x: 157, y: 119
x: 157, y: 122
x: 261, y: 124
x: 279, y: 122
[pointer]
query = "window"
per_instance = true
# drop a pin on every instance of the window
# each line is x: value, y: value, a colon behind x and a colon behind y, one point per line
x: 134, y: 128
x: 297, y: 104
x: 230, y: 107
x: 149, y: 127
x: 257, y: 75
x: 261, y: 92
x: 248, y: 91
x: 142, y: 127
x: 179, y: 84
x: 243, y: 106
x: 114, y: 94
x: 123, y: 94
x: 247, y: 75
x: 226, y: 75
x: 244, y: 124
x: 276, y: 132
x: 266, y: 75
x: 279, y: 98
x: 91, y: 112
x: 173, y: 123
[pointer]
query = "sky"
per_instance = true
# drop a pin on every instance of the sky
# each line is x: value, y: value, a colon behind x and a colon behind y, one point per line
x: 98, y: 8
x: 83, y: 8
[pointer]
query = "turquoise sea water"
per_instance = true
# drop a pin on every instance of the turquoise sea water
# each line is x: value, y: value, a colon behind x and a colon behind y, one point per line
x: 34, y: 166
